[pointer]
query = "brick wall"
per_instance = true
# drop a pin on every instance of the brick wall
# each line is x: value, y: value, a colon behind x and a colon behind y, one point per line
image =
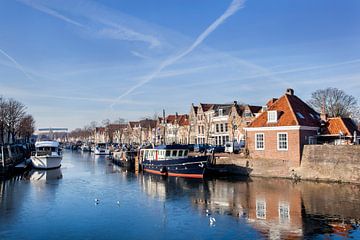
x: 271, y: 151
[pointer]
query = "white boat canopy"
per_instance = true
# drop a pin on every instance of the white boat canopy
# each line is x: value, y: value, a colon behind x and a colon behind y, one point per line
x: 47, y: 144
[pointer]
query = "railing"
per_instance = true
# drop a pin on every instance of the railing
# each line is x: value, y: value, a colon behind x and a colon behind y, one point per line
x: 43, y: 153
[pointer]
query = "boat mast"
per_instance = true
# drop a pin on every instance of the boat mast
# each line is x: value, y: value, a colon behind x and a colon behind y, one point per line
x: 164, y: 122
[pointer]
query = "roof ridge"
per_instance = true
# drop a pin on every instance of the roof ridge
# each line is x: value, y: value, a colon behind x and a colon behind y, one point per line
x: 291, y: 108
x: 342, y: 122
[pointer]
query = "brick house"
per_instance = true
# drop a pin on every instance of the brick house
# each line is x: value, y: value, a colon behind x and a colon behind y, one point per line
x: 193, y: 123
x: 338, y: 131
x: 134, y: 133
x: 208, y: 123
x: 116, y: 132
x: 100, y: 135
x: 240, y: 116
x: 282, y: 130
x: 147, y: 130
x: 219, y: 132
x: 176, y: 127
x: 184, y: 129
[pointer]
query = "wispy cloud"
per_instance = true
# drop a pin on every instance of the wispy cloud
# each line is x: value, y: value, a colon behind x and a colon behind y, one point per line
x: 139, y: 55
x: 233, y: 8
x: 50, y: 12
x: 98, y: 20
x: 17, y: 65
x: 124, y: 33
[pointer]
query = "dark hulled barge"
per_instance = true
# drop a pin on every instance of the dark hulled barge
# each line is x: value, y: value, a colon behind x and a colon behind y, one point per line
x: 173, y: 160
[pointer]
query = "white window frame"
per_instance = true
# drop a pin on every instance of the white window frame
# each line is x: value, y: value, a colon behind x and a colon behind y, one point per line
x: 278, y: 141
x: 256, y: 141
x: 284, y: 212
x: 272, y: 117
x: 260, y: 209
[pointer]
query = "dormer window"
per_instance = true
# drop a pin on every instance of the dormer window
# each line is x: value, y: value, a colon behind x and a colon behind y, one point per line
x: 220, y: 112
x: 272, y: 116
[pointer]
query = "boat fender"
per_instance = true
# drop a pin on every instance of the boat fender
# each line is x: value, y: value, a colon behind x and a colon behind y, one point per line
x: 163, y: 170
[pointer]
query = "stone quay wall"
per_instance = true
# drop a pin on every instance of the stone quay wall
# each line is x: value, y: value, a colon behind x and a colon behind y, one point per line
x: 331, y: 163
x: 319, y: 163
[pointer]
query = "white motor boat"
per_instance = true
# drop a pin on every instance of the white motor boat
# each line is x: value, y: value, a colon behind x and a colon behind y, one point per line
x: 101, y: 149
x: 85, y: 148
x: 47, y: 155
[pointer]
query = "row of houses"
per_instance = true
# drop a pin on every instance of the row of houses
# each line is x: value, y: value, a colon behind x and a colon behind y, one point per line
x: 277, y: 130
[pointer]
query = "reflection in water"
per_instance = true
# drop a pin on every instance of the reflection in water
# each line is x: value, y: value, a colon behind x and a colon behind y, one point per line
x: 276, y: 208
x: 44, y: 175
x: 155, y: 207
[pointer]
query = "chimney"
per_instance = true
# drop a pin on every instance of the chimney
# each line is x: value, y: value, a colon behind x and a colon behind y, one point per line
x: 289, y: 91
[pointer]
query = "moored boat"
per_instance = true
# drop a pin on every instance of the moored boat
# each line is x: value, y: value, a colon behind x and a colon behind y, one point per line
x: 85, y: 148
x: 101, y: 149
x: 173, y: 160
x: 47, y: 155
x: 125, y: 158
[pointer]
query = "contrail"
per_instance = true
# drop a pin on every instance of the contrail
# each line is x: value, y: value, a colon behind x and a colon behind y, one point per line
x: 50, y: 12
x: 233, y: 8
x: 18, y: 66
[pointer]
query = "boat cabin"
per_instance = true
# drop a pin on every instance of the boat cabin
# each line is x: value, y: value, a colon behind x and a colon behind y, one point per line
x: 47, y: 148
x: 167, y: 152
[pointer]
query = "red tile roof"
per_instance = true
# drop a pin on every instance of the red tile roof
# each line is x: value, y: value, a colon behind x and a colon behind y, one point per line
x: 206, y: 106
x: 148, y: 123
x: 336, y: 125
x: 99, y: 129
x: 181, y: 119
x: 292, y: 111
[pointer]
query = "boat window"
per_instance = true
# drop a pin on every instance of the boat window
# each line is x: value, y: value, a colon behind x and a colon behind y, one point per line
x: 174, y: 153
x: 167, y: 153
x: 186, y: 152
x: 180, y: 153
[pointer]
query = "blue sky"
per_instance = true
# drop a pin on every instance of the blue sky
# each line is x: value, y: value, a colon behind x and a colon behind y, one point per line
x: 72, y: 62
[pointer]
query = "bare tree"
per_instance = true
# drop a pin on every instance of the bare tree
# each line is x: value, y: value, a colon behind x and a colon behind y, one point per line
x: 3, y: 116
x: 15, y: 112
x: 119, y: 121
x: 105, y: 122
x: 26, y: 127
x: 335, y: 102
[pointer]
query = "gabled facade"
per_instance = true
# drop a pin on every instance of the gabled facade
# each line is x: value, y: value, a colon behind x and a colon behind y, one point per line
x: 219, y: 132
x: 240, y: 117
x: 134, y: 133
x: 117, y: 132
x: 209, y: 123
x: 147, y: 131
x: 193, y: 124
x: 100, y: 135
x: 282, y: 130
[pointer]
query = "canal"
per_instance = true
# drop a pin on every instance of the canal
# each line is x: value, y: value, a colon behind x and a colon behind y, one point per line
x: 60, y: 204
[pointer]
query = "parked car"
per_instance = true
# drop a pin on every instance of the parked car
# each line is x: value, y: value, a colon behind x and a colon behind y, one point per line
x: 216, y: 149
x: 234, y: 147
